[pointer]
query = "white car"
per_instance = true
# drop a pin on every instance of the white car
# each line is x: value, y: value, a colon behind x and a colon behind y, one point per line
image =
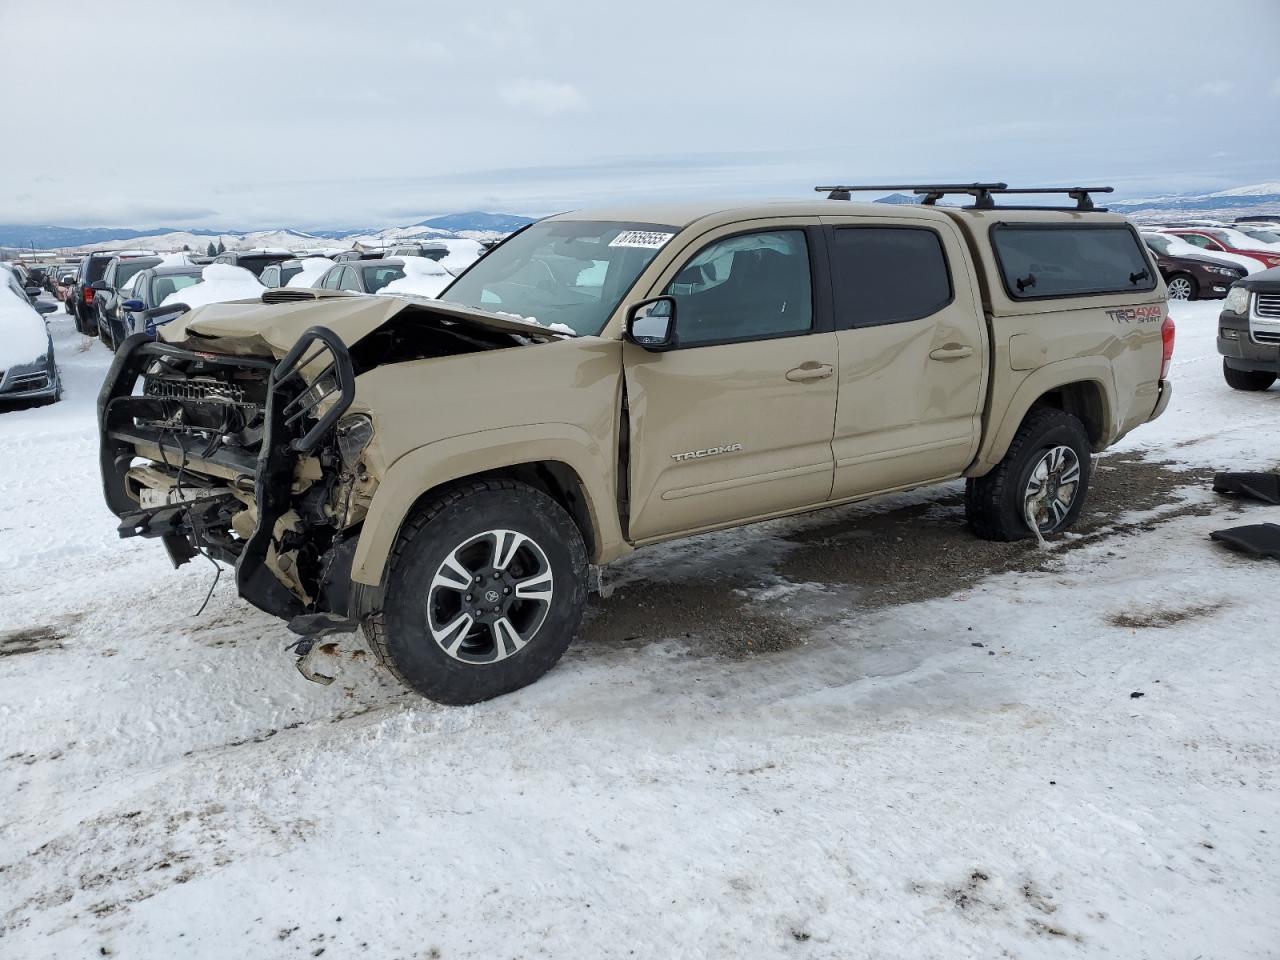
x: 27, y: 369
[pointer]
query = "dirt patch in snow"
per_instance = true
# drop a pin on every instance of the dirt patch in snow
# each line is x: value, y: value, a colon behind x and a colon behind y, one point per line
x: 849, y: 559
x: 1161, y: 618
x: 30, y: 640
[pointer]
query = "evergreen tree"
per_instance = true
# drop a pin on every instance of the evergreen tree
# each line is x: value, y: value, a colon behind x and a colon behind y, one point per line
x: 222, y: 247
x: 212, y: 251
x: 186, y: 248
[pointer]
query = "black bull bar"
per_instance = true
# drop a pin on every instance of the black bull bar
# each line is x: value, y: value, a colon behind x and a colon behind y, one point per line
x: 289, y: 399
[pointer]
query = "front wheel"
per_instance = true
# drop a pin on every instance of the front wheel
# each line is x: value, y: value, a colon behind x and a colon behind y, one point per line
x: 1250, y: 380
x: 1042, y: 481
x: 1182, y: 287
x: 485, y: 589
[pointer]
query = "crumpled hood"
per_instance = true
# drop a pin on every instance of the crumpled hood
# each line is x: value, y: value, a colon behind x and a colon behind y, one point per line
x: 257, y: 328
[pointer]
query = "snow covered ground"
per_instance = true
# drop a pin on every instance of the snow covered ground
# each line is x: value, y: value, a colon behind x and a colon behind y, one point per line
x: 946, y: 749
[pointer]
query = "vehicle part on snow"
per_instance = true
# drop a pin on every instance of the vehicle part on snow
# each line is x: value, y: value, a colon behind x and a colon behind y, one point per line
x: 1258, y: 539
x: 1258, y: 486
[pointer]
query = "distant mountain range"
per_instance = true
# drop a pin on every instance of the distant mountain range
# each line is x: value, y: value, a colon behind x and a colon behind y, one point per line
x: 42, y: 237
x: 1254, y: 199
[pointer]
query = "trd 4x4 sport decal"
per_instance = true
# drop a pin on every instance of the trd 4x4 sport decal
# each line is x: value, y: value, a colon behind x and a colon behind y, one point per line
x: 1152, y: 313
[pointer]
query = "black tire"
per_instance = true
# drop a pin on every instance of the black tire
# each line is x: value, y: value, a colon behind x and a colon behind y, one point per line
x: 1192, y: 287
x: 104, y: 333
x: 1250, y: 380
x: 401, y: 633
x: 995, y: 503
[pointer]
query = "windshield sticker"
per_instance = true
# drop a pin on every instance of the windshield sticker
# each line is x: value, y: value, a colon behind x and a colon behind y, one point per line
x: 645, y: 239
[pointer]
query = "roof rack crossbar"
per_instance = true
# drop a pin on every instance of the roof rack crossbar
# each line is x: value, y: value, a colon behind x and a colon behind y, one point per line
x: 942, y: 189
x: 982, y: 193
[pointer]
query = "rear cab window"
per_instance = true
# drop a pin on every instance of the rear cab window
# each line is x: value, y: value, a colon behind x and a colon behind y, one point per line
x: 887, y: 274
x: 1049, y: 261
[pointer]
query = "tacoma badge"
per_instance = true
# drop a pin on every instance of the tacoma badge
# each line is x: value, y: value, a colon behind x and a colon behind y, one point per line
x: 709, y: 452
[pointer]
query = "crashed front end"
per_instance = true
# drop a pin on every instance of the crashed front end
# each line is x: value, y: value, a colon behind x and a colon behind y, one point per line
x: 234, y: 437
x: 244, y: 458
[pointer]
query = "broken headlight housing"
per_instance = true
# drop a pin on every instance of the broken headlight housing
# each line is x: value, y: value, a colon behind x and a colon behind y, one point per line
x: 354, y: 434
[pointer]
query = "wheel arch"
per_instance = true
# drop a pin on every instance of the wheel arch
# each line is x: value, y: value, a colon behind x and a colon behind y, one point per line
x: 566, y: 466
x: 1083, y: 388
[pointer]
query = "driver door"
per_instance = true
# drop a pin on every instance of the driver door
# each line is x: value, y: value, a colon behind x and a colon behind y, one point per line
x: 736, y: 422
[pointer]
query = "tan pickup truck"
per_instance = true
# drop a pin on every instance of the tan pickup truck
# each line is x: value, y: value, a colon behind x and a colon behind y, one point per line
x: 446, y: 473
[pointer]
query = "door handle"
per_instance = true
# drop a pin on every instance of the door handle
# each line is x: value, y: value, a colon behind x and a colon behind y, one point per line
x: 809, y: 371
x: 952, y: 351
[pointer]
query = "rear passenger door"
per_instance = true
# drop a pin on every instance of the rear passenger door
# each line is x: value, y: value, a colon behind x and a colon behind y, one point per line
x: 913, y: 353
x: 735, y: 422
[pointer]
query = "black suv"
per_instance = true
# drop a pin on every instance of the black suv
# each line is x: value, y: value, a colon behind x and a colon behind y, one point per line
x: 1249, y: 332
x: 255, y: 261
x: 91, y: 270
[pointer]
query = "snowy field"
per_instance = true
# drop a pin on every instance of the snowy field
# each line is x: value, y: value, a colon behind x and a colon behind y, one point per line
x: 856, y: 734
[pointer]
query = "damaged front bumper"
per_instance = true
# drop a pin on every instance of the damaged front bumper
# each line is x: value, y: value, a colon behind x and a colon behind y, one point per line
x: 235, y: 457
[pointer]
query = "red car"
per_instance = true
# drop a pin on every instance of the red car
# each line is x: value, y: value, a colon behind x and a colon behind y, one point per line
x: 1211, y: 238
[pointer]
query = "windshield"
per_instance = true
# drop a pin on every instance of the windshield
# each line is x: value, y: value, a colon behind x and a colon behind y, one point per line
x: 570, y: 272
x: 1158, y: 244
x: 1266, y: 236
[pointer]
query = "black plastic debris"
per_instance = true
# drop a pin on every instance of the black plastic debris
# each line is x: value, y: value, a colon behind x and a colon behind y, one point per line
x: 1257, y: 486
x: 1256, y: 539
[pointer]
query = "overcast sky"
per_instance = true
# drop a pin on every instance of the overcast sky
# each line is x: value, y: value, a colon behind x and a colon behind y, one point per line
x: 231, y: 114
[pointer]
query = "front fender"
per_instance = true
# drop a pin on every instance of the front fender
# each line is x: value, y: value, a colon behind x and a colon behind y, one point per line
x: 434, y: 464
x: 1051, y: 376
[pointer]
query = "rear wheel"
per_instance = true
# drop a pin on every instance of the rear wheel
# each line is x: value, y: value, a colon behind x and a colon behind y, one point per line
x: 485, y: 590
x: 1042, y: 480
x: 104, y: 333
x: 1251, y: 380
x: 1182, y: 287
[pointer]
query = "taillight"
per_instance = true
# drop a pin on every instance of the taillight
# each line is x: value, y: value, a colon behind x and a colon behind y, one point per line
x: 88, y: 294
x: 1167, y: 334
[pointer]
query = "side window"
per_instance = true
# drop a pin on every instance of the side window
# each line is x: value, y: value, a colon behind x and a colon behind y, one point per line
x: 1070, y: 260
x: 1197, y: 240
x: 330, y: 281
x: 349, y: 280
x: 887, y: 275
x: 269, y: 278
x: 749, y: 287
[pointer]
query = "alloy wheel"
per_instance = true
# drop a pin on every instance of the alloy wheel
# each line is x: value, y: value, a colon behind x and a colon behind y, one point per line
x: 1179, y: 288
x: 1052, y: 488
x: 490, y: 596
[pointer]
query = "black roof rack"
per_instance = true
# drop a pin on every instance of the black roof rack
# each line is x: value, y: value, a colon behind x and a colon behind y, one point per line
x: 982, y: 193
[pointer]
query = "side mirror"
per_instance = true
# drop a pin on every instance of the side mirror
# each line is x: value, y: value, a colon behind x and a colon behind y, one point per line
x: 44, y: 306
x: 652, y: 324
x: 100, y: 285
x: 133, y: 305
x: 32, y: 292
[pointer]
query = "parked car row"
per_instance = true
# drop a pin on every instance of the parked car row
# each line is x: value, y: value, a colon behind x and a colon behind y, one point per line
x: 1201, y: 259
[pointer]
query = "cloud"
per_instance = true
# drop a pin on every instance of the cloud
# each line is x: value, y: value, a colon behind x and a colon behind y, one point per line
x: 1215, y: 88
x: 544, y: 97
